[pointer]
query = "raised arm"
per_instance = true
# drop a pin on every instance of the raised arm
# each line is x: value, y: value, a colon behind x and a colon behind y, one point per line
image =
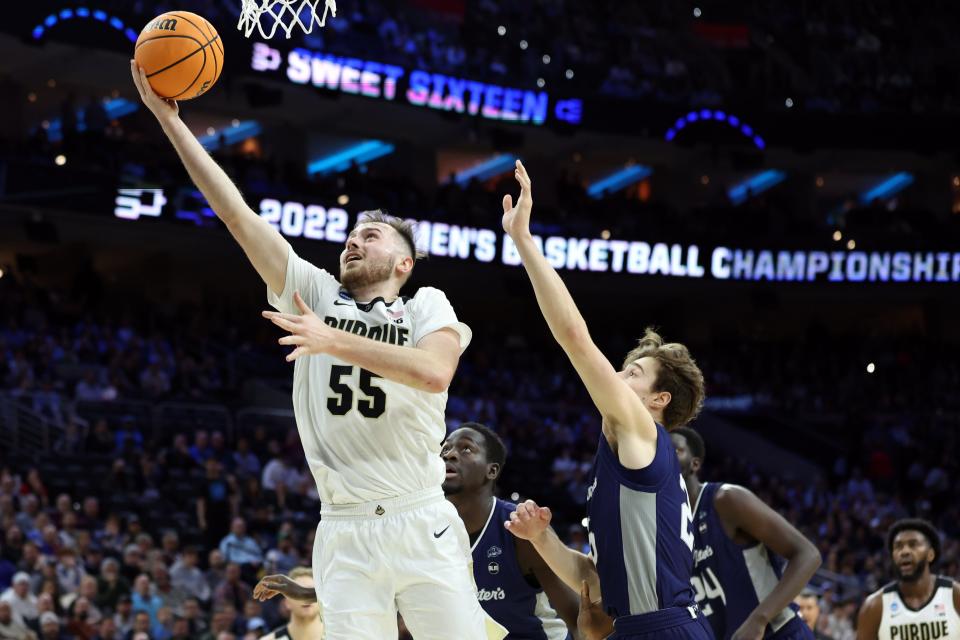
x: 531, y: 522
x: 265, y: 247
x: 561, y: 597
x: 751, y: 519
x: 619, y: 405
x: 428, y: 366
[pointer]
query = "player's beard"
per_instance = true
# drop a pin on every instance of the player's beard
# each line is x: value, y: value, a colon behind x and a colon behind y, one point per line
x: 369, y: 273
x: 914, y: 575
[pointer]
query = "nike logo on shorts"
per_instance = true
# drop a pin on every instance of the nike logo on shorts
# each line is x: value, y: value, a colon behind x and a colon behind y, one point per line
x: 437, y: 535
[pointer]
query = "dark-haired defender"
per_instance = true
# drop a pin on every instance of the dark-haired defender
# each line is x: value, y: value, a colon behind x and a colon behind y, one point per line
x: 640, y: 522
x: 514, y: 585
x: 741, y: 586
x: 918, y: 604
x: 369, y: 391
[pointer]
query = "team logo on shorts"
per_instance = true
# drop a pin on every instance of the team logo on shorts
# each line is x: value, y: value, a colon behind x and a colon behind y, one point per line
x: 494, y: 551
x: 493, y: 568
x: 379, y: 511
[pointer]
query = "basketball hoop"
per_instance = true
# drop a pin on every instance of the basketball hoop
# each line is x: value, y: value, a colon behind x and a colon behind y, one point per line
x: 283, y: 14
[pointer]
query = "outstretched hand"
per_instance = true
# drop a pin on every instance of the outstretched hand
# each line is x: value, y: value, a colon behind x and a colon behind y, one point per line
x: 270, y: 586
x: 160, y: 107
x: 308, y: 331
x: 529, y: 521
x: 516, y: 218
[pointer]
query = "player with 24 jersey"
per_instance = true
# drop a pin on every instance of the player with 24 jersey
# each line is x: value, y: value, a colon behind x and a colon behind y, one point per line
x: 370, y: 378
x: 738, y: 543
x: 640, y: 522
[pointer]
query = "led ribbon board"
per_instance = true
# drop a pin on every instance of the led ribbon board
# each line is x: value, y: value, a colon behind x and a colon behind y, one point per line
x: 296, y: 219
x: 415, y: 87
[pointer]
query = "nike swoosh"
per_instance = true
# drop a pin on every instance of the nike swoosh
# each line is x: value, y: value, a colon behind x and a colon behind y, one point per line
x: 437, y: 535
x: 341, y: 304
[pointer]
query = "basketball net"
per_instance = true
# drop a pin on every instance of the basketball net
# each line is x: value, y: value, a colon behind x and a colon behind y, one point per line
x: 282, y: 14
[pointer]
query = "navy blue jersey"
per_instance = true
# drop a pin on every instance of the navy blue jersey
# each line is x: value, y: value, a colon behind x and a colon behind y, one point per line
x: 502, y: 588
x: 731, y: 580
x: 641, y: 531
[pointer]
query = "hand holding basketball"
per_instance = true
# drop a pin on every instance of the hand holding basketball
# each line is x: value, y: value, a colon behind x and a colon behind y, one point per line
x: 158, y: 106
x: 529, y: 521
x: 516, y: 219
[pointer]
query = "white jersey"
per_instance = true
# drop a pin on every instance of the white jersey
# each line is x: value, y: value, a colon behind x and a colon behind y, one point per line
x: 936, y: 620
x: 366, y: 438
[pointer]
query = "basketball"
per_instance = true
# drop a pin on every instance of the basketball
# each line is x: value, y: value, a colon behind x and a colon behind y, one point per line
x: 181, y: 54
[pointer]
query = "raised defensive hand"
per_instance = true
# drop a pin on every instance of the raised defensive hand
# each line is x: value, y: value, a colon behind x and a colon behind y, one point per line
x: 308, y: 332
x: 160, y: 107
x: 516, y: 219
x: 529, y: 521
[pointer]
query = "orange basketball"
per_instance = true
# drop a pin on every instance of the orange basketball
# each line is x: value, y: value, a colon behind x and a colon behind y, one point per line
x: 181, y: 54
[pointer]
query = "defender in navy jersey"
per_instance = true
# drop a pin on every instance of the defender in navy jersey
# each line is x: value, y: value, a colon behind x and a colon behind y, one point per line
x: 514, y: 585
x: 640, y: 526
x: 739, y: 547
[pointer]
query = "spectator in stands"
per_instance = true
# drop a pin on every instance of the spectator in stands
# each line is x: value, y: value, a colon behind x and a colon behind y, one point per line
x: 79, y: 623
x: 144, y: 599
x: 216, y: 502
x: 245, y: 463
x: 809, y: 603
x: 124, y: 616
x: 232, y: 590
x: 170, y: 596
x: 201, y: 450
x: 107, y: 630
x: 12, y: 629
x: 22, y: 602
x: 142, y: 624
x: 185, y: 575
x: 50, y: 627
x: 240, y: 548
x: 111, y: 586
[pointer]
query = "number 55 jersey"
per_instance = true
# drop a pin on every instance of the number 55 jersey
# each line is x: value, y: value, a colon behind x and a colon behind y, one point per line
x: 731, y: 580
x: 366, y: 438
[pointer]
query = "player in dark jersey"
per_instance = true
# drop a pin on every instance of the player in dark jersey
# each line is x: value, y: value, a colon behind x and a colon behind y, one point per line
x: 741, y: 586
x: 305, y: 621
x: 640, y: 522
x: 515, y: 586
x: 919, y: 603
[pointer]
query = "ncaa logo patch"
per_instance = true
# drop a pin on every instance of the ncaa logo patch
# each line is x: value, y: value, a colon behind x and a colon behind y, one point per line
x: 493, y: 568
x: 703, y: 527
x: 494, y: 551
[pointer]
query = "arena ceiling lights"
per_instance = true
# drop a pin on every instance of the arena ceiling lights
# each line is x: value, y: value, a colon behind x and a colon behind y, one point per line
x: 83, y: 13
x: 709, y: 115
x: 888, y: 188
x: 486, y: 169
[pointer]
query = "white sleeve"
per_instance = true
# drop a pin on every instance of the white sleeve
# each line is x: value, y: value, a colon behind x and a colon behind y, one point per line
x: 434, y: 312
x: 316, y: 286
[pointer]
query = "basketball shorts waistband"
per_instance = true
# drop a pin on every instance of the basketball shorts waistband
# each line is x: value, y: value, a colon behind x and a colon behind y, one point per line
x: 656, y: 620
x: 381, y: 508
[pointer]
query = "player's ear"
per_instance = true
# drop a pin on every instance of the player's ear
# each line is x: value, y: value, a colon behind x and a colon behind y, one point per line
x: 493, y: 471
x: 661, y: 399
x: 695, y: 464
x: 404, y: 266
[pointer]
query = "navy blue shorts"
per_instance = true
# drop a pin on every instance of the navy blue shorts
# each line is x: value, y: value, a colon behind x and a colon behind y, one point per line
x: 676, y: 623
x: 796, y: 629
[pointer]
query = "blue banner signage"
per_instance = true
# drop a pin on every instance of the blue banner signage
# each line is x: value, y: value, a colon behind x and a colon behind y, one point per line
x: 417, y: 87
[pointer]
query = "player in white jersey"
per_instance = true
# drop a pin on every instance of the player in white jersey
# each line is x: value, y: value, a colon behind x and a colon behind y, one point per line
x: 370, y: 385
x: 918, y: 605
